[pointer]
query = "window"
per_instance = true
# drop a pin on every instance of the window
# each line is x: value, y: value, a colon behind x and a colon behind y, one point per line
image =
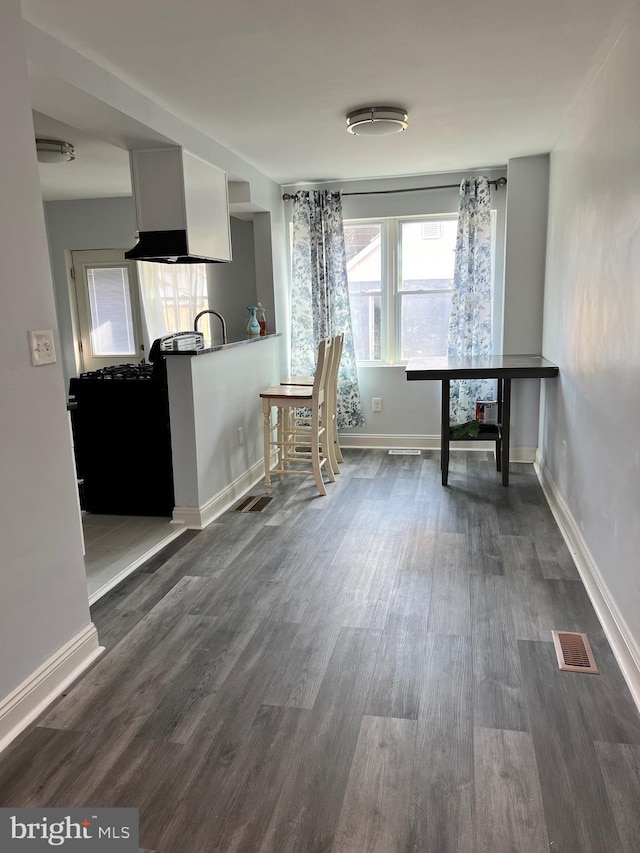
x: 110, y: 312
x: 107, y: 328
x: 363, y: 243
x: 400, y: 274
x: 172, y: 295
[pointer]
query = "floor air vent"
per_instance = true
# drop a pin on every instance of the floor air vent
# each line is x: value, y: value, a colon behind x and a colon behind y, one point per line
x: 403, y: 452
x: 254, y: 503
x: 574, y: 653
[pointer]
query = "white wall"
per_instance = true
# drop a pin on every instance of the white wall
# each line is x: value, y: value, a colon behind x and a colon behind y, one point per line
x: 524, y: 269
x: 411, y: 408
x: 592, y: 324
x: 210, y: 397
x: 43, y: 593
x: 94, y: 223
x: 76, y: 85
x: 109, y: 223
x: 233, y: 286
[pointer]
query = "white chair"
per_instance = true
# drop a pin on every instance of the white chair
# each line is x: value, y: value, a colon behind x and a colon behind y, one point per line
x: 299, y: 441
x: 333, y: 451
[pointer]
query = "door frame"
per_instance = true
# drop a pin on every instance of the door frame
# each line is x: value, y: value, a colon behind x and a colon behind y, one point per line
x: 76, y: 261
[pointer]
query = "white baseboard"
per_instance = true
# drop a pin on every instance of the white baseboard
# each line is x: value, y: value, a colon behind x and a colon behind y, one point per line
x: 428, y: 442
x: 24, y: 704
x: 197, y: 518
x: 523, y: 454
x: 620, y: 637
x: 99, y: 593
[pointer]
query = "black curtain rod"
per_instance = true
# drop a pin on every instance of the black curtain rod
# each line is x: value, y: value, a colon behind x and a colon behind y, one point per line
x: 499, y: 182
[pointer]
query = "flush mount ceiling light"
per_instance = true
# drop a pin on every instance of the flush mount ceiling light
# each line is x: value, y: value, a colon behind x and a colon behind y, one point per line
x: 377, y: 121
x: 54, y: 151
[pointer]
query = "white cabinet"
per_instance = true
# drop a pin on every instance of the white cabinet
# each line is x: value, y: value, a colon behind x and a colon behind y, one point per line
x: 176, y: 191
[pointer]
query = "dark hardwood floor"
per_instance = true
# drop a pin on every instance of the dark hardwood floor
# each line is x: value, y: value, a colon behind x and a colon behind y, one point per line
x: 368, y: 671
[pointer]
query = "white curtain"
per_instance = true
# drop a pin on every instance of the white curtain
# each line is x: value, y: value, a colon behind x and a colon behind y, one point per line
x: 172, y: 295
x: 320, y: 295
x: 470, y: 322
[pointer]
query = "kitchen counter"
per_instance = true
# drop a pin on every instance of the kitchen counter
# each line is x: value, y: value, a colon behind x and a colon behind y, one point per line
x: 217, y: 423
x: 230, y: 345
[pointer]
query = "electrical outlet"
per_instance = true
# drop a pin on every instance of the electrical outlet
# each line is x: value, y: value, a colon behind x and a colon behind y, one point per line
x: 240, y: 435
x: 376, y: 404
x: 42, y: 347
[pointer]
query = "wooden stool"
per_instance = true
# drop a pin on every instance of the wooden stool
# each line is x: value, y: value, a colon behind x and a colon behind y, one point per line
x: 297, y: 442
x: 333, y: 452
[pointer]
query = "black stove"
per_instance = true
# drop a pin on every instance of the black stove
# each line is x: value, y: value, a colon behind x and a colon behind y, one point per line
x: 129, y: 372
x: 123, y: 439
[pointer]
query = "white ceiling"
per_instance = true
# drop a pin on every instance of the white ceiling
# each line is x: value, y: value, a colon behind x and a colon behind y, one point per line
x: 483, y: 80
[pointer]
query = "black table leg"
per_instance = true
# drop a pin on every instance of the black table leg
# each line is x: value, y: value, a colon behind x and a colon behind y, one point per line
x: 444, y: 432
x: 506, y: 418
x: 499, y: 442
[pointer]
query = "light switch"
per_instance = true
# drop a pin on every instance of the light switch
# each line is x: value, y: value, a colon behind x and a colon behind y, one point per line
x: 43, y: 350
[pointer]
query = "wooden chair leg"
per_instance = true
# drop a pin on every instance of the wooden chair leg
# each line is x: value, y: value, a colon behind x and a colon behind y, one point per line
x: 331, y: 477
x: 281, y: 414
x: 315, y: 451
x: 329, y: 444
x: 266, y: 415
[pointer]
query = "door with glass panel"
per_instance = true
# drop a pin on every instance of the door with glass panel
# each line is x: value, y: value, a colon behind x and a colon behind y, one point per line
x: 108, y: 303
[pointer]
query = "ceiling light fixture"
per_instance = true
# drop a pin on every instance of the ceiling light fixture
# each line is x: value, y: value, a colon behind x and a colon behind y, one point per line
x: 377, y: 121
x: 54, y: 151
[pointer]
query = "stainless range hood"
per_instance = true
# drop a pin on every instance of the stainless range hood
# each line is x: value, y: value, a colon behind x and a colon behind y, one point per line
x: 182, y: 208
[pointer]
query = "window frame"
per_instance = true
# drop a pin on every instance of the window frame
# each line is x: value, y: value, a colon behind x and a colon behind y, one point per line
x: 391, y: 278
x: 78, y: 262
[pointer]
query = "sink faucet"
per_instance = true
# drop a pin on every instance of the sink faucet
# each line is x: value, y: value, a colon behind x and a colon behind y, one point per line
x: 219, y: 316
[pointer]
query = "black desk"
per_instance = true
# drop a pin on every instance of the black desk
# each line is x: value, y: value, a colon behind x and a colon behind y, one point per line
x: 504, y: 368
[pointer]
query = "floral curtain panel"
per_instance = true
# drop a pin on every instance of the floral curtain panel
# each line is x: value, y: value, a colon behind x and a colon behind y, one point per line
x: 470, y: 323
x: 320, y: 295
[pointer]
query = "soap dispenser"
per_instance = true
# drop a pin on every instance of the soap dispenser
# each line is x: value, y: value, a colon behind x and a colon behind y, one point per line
x: 262, y: 320
x: 253, y: 327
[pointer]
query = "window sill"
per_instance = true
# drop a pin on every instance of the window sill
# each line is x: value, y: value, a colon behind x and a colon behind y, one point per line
x: 385, y: 364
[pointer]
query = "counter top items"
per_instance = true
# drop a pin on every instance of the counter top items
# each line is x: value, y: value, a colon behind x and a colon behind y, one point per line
x: 504, y: 368
x: 178, y: 341
x: 262, y: 320
x: 253, y: 327
x: 215, y: 314
x: 229, y: 345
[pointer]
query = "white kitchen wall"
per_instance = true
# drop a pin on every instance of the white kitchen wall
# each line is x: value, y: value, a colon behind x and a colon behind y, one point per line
x: 525, y: 252
x: 233, y: 286
x: 413, y: 409
x: 589, y: 442
x: 109, y: 223
x: 94, y: 223
x: 43, y: 593
x: 79, y: 84
x: 45, y: 628
x: 211, y: 396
